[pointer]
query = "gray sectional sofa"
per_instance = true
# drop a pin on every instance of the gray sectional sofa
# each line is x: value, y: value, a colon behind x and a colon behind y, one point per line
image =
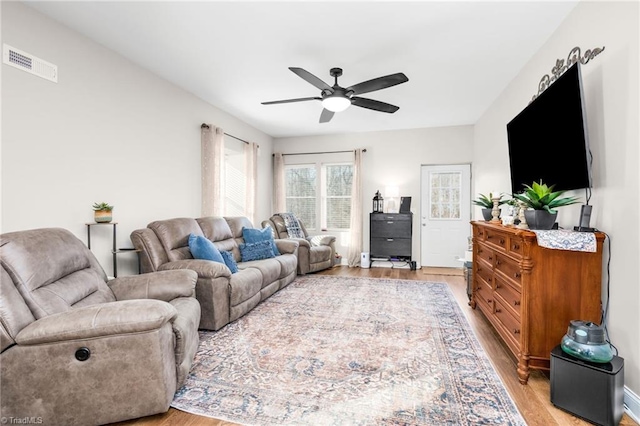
x: 223, y: 296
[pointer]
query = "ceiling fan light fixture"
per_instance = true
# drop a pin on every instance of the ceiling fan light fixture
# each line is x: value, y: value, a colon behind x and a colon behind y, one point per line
x: 336, y: 103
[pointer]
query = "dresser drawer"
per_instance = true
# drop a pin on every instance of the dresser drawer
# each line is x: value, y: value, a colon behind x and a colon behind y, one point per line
x: 510, y: 324
x: 510, y: 269
x: 509, y: 294
x: 484, y: 293
x: 479, y: 233
x: 485, y: 274
x: 499, y: 239
x: 515, y: 246
x: 485, y: 254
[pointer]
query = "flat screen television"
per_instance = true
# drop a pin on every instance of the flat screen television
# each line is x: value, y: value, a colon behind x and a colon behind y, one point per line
x: 548, y: 139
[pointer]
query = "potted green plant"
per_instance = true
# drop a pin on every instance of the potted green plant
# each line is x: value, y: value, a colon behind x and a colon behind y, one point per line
x: 487, y: 204
x: 102, y: 212
x: 544, y: 201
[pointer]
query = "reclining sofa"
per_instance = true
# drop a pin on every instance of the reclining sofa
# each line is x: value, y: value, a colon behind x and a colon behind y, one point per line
x: 78, y: 350
x: 223, y: 296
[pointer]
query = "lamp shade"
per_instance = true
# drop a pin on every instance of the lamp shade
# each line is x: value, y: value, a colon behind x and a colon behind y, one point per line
x: 336, y: 103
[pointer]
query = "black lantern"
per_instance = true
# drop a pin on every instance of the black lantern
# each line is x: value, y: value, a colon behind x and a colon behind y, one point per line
x: 378, y: 203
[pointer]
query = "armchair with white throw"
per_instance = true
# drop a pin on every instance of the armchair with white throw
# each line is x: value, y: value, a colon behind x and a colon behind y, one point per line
x: 315, y: 253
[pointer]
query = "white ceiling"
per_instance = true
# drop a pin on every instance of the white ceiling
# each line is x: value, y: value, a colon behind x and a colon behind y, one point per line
x: 458, y: 56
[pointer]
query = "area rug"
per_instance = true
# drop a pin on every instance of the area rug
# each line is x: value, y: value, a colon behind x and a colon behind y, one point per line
x: 348, y: 351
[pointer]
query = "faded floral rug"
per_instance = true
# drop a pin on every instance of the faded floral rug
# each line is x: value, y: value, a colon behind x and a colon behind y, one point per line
x: 348, y: 351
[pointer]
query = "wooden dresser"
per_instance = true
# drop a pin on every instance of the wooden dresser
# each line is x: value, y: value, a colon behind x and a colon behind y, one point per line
x: 531, y: 293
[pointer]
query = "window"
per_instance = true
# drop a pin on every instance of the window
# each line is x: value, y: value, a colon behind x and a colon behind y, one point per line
x: 324, y: 202
x: 300, y: 182
x: 445, y: 195
x: 337, y: 192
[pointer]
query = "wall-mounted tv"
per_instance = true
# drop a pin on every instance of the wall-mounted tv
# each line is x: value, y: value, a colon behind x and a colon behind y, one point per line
x: 548, y: 139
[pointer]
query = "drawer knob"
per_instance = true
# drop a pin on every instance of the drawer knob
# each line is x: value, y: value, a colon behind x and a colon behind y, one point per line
x: 489, y: 236
x: 516, y: 331
x: 489, y: 300
x: 489, y: 279
x: 516, y: 246
x: 498, y: 310
x: 390, y: 223
x: 479, y: 250
x: 498, y: 286
x: 516, y: 303
x: 498, y: 262
x: 490, y: 257
x: 480, y: 233
x: 501, y: 240
x: 516, y: 275
x: 389, y: 239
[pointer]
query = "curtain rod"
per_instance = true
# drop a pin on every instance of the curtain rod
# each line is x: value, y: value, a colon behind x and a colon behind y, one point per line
x: 322, y: 152
x: 206, y: 126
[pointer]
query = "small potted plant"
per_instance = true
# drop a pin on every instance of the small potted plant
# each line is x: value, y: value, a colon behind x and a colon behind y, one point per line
x: 102, y: 212
x: 487, y: 204
x: 544, y: 201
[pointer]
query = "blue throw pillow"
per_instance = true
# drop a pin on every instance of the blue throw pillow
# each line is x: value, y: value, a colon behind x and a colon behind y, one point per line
x: 229, y: 261
x: 256, y: 251
x: 252, y: 235
x: 202, y: 248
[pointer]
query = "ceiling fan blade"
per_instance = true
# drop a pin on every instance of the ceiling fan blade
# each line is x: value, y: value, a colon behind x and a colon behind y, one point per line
x: 374, y: 105
x: 310, y: 78
x: 286, y: 101
x: 378, y: 83
x: 326, y: 116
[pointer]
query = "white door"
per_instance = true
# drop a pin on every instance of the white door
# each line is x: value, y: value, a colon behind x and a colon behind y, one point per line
x: 445, y: 213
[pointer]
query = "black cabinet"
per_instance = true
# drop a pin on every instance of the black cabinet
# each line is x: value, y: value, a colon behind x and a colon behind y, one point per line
x: 390, y: 235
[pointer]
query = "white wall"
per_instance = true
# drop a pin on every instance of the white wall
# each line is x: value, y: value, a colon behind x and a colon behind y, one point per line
x: 392, y: 158
x: 611, y: 97
x: 107, y: 131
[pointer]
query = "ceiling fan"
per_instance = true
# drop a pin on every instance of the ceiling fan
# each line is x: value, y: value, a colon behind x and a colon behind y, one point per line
x: 335, y: 99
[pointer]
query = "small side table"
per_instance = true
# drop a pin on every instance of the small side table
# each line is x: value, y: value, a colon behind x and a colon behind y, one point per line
x: 114, y: 251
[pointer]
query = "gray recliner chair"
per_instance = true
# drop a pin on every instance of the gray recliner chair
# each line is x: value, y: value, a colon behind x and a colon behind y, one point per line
x: 315, y: 253
x: 77, y: 349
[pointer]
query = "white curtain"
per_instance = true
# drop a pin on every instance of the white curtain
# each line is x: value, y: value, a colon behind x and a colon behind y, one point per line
x: 279, y: 191
x: 355, y: 241
x: 251, y: 174
x: 212, y: 152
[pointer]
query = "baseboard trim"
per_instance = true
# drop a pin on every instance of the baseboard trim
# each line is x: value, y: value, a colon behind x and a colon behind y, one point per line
x: 632, y: 404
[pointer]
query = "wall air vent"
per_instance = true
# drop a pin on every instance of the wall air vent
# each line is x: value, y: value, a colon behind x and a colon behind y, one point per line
x: 29, y: 63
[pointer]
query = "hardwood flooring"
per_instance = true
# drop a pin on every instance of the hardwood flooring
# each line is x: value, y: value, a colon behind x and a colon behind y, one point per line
x: 532, y: 400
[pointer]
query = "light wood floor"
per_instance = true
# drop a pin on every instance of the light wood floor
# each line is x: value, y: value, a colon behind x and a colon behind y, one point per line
x: 532, y: 399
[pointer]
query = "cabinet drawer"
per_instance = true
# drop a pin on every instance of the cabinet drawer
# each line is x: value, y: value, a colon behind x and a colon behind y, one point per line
x: 391, y: 228
x: 508, y: 321
x: 510, y: 269
x: 405, y: 217
x: 510, y: 295
x: 485, y: 254
x: 390, y: 247
x: 498, y: 239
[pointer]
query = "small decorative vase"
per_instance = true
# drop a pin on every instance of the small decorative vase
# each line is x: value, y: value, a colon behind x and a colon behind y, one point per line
x: 102, y: 216
x: 540, y: 219
x: 486, y: 214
